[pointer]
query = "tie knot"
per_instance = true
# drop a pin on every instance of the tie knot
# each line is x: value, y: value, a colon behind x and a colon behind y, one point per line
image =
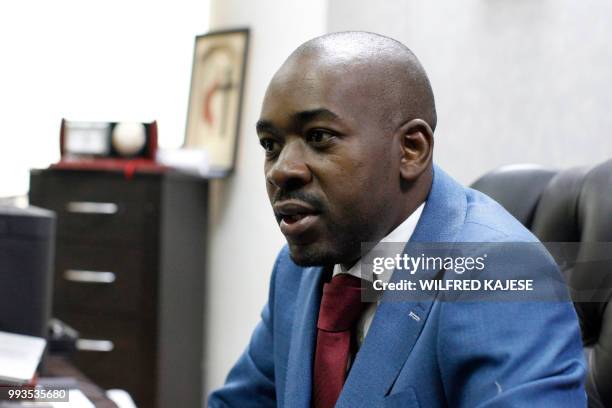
x: 341, y: 304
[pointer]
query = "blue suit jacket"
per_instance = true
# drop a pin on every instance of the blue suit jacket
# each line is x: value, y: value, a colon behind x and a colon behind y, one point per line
x: 467, y: 354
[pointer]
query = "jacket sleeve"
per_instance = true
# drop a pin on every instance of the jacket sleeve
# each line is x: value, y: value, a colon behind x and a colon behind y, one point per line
x: 251, y: 381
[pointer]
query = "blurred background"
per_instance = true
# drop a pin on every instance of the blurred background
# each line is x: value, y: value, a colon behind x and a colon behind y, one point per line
x: 515, y: 81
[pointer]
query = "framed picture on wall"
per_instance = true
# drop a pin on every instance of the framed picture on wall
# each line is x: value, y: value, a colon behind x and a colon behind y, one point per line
x: 215, y: 98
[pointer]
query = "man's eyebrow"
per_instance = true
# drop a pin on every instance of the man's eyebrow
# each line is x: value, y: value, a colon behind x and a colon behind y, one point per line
x: 264, y: 126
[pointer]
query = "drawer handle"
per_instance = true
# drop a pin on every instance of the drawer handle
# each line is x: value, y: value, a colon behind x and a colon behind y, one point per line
x: 87, y: 207
x: 103, y: 346
x: 77, y: 275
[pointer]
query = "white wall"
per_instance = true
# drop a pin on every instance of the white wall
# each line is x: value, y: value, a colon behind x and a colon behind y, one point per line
x: 244, y: 236
x: 90, y: 60
x: 515, y: 80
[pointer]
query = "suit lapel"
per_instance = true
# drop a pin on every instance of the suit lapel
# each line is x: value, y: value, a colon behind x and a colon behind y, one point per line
x: 397, y: 325
x: 303, y: 340
x: 383, y: 353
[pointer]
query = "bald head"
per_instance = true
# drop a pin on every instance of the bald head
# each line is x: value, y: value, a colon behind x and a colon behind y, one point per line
x: 382, y: 67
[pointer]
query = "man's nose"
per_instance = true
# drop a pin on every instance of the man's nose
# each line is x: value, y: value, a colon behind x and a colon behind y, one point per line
x: 290, y: 171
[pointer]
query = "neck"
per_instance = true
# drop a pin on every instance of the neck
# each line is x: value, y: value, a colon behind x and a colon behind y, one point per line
x: 413, y: 196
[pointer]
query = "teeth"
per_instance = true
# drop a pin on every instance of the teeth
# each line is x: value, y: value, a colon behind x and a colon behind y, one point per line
x: 294, y: 217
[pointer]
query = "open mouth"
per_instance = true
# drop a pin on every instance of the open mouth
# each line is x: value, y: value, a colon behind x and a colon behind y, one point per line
x: 290, y: 219
x: 295, y: 217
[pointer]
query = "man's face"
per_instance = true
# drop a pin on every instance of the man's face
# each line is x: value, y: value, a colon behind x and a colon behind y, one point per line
x: 331, y: 168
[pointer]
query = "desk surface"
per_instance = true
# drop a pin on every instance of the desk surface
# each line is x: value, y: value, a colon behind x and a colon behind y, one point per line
x: 56, y: 366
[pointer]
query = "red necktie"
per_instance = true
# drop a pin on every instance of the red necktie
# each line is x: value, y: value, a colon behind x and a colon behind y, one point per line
x: 340, y: 309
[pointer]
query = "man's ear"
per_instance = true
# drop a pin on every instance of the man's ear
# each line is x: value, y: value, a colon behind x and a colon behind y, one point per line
x: 416, y: 148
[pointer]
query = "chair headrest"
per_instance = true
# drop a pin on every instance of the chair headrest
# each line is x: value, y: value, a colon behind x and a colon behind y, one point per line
x: 595, y: 206
x: 556, y: 216
x: 517, y: 188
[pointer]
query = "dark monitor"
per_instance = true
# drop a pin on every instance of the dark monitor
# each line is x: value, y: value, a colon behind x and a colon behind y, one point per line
x: 27, y: 245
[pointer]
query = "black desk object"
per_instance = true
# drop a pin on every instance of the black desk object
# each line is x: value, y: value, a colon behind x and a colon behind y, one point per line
x: 129, y: 276
x: 27, y: 237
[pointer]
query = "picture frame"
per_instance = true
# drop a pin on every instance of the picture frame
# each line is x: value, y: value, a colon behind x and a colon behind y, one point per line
x: 216, y: 97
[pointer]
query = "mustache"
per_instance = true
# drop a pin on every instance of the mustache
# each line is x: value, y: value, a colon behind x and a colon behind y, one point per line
x: 307, y: 198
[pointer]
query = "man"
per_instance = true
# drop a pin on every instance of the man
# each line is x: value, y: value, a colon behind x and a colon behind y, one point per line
x: 347, y: 127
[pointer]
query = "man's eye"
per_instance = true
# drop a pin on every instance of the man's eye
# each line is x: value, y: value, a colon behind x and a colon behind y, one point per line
x: 319, y: 136
x: 268, y: 144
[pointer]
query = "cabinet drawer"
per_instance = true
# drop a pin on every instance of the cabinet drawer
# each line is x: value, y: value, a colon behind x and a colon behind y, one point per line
x: 102, y: 208
x: 115, y: 353
x: 114, y: 280
x: 127, y: 226
x: 94, y: 185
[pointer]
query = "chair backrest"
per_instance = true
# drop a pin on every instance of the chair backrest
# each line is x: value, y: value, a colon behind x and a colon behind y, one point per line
x: 517, y: 188
x: 573, y: 205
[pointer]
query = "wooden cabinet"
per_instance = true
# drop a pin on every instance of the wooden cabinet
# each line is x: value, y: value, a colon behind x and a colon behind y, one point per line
x: 129, y: 276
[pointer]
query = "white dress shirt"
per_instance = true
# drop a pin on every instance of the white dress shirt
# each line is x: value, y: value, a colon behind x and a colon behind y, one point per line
x: 401, y: 233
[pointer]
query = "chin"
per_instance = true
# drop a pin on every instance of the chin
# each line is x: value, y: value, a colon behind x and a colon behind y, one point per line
x: 311, y: 255
x: 316, y: 255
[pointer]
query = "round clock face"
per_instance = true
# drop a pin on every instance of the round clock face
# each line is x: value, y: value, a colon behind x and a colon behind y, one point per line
x: 129, y: 138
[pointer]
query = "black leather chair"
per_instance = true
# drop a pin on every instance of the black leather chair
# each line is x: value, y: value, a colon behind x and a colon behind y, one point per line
x: 573, y: 205
x: 517, y: 187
